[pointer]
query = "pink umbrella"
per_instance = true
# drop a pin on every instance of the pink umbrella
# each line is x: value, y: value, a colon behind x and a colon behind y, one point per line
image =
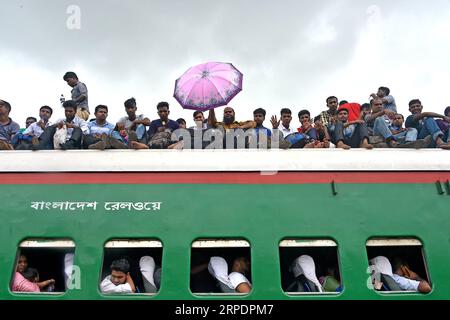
x: 207, y: 86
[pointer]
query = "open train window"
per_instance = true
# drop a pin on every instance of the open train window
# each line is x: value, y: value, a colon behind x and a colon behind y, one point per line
x: 43, y: 266
x: 309, y: 267
x: 220, y: 267
x: 131, y: 266
x: 398, y: 265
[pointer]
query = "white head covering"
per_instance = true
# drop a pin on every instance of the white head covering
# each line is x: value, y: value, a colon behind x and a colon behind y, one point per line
x: 218, y: 268
x: 305, y: 265
x: 147, y: 265
x: 68, y: 268
x: 382, y: 265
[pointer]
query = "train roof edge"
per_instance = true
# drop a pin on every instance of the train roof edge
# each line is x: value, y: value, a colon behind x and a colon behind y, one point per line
x: 224, y: 160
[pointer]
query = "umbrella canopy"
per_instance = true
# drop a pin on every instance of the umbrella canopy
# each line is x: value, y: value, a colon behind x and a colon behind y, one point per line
x: 208, y: 85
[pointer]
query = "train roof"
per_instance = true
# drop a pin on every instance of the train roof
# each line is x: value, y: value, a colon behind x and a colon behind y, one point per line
x: 274, y: 160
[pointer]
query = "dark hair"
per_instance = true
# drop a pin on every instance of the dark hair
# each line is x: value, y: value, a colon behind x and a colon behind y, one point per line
x: 46, y: 107
x: 181, y: 120
x: 196, y: 113
x: 397, y: 262
x: 31, y: 118
x: 260, y: 111
x: 343, y: 102
x: 317, y: 118
x: 386, y: 90
x: 343, y: 109
x: 121, y: 265
x: 101, y: 106
x: 70, y: 104
x: 414, y: 101
x: 399, y: 114
x: 285, y: 111
x: 6, y: 104
x: 447, y: 111
x: 303, y: 112
x: 70, y: 74
x: 162, y: 105
x: 331, y: 97
x: 365, y: 106
x: 130, y: 103
x: 30, y: 274
x: 374, y: 99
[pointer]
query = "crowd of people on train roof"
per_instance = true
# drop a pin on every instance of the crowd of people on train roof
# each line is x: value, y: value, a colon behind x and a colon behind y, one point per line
x: 385, y: 276
x: 344, y: 125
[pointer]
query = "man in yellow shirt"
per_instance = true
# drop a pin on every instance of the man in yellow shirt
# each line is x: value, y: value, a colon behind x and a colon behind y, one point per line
x: 229, y: 121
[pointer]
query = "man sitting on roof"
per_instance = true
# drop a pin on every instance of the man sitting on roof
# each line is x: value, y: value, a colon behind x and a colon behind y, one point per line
x: 160, y: 130
x: 74, y: 125
x: 425, y: 124
x: 8, y: 128
x: 132, y: 126
x: 352, y: 134
x: 100, y: 131
x: 34, y: 131
x: 229, y: 121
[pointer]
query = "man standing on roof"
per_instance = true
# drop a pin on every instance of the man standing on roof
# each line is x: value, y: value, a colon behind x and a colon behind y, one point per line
x: 388, y: 100
x: 79, y: 94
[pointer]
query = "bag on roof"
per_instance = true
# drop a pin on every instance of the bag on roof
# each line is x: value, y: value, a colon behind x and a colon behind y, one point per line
x: 59, y: 137
x: 160, y: 140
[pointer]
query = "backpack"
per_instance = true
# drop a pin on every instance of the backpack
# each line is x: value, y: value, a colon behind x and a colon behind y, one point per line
x: 160, y: 140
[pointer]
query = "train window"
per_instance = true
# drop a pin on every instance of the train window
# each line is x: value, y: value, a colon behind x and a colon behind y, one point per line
x: 131, y: 266
x: 398, y: 265
x: 220, y: 267
x: 309, y: 267
x: 43, y: 266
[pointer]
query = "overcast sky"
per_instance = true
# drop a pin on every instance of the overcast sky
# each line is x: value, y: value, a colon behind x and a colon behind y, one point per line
x: 293, y: 53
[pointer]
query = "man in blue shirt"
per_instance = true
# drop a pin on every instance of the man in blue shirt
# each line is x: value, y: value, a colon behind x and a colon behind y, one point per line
x: 99, y: 130
x: 388, y: 100
x: 8, y: 128
x: 425, y: 123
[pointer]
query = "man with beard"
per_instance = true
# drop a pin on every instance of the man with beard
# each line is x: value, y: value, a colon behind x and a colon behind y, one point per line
x: 229, y: 121
x: 229, y: 124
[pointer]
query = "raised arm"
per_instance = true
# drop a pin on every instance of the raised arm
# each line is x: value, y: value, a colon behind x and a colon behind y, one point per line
x: 212, y: 121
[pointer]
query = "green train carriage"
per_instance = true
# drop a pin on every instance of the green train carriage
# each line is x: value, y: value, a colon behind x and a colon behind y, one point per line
x: 184, y: 206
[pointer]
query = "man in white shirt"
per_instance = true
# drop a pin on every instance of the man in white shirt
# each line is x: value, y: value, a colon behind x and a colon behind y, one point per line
x: 75, y: 126
x: 236, y: 280
x: 408, y: 279
x: 405, y: 278
x: 34, y: 131
x: 119, y: 281
x: 286, y: 118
